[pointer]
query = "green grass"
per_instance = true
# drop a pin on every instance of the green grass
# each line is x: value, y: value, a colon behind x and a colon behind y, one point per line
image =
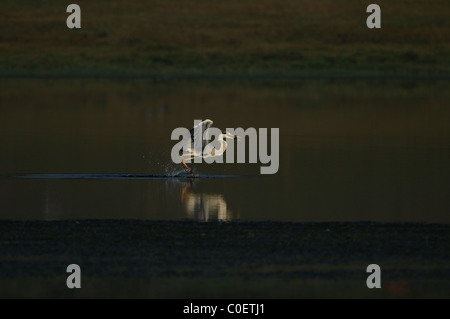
x: 291, y: 36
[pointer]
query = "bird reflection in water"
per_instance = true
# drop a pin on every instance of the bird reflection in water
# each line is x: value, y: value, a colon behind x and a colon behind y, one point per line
x: 205, y: 207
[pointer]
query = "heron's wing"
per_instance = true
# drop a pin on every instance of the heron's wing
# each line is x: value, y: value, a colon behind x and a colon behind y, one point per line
x: 208, y: 124
x: 203, y: 125
x: 197, y: 133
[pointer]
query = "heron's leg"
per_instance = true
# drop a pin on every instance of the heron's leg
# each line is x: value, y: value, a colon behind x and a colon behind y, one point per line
x: 189, y: 168
x: 182, y: 161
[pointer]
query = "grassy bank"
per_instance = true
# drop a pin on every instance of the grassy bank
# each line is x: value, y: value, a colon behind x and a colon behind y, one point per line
x: 159, y: 36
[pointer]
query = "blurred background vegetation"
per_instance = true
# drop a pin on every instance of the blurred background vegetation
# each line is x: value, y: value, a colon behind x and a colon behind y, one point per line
x: 244, y: 36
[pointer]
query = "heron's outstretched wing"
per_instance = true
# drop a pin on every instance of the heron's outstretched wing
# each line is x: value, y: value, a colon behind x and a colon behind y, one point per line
x: 203, y: 125
x: 197, y: 134
x: 197, y: 144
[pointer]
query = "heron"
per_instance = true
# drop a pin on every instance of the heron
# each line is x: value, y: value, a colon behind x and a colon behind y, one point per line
x: 197, y: 134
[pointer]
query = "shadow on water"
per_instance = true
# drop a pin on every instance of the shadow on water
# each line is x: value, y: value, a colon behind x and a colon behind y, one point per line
x: 205, y: 207
x: 198, y: 204
x: 178, y: 193
x: 200, y: 207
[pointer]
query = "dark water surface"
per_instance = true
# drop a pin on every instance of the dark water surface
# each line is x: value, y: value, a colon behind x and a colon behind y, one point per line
x: 349, y: 150
x: 183, y: 259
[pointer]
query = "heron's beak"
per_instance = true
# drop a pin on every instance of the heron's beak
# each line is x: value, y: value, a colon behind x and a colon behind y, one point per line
x: 237, y: 138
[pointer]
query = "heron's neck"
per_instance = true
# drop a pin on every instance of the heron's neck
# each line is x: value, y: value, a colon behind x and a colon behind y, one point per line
x: 222, y: 139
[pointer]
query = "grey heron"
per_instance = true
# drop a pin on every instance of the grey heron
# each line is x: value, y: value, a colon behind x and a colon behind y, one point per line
x: 193, y: 149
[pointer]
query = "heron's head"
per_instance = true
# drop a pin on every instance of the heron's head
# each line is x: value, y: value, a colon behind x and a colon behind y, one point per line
x: 230, y: 136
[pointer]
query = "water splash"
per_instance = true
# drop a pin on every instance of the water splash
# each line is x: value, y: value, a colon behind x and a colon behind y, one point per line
x: 172, y: 169
x: 168, y: 167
